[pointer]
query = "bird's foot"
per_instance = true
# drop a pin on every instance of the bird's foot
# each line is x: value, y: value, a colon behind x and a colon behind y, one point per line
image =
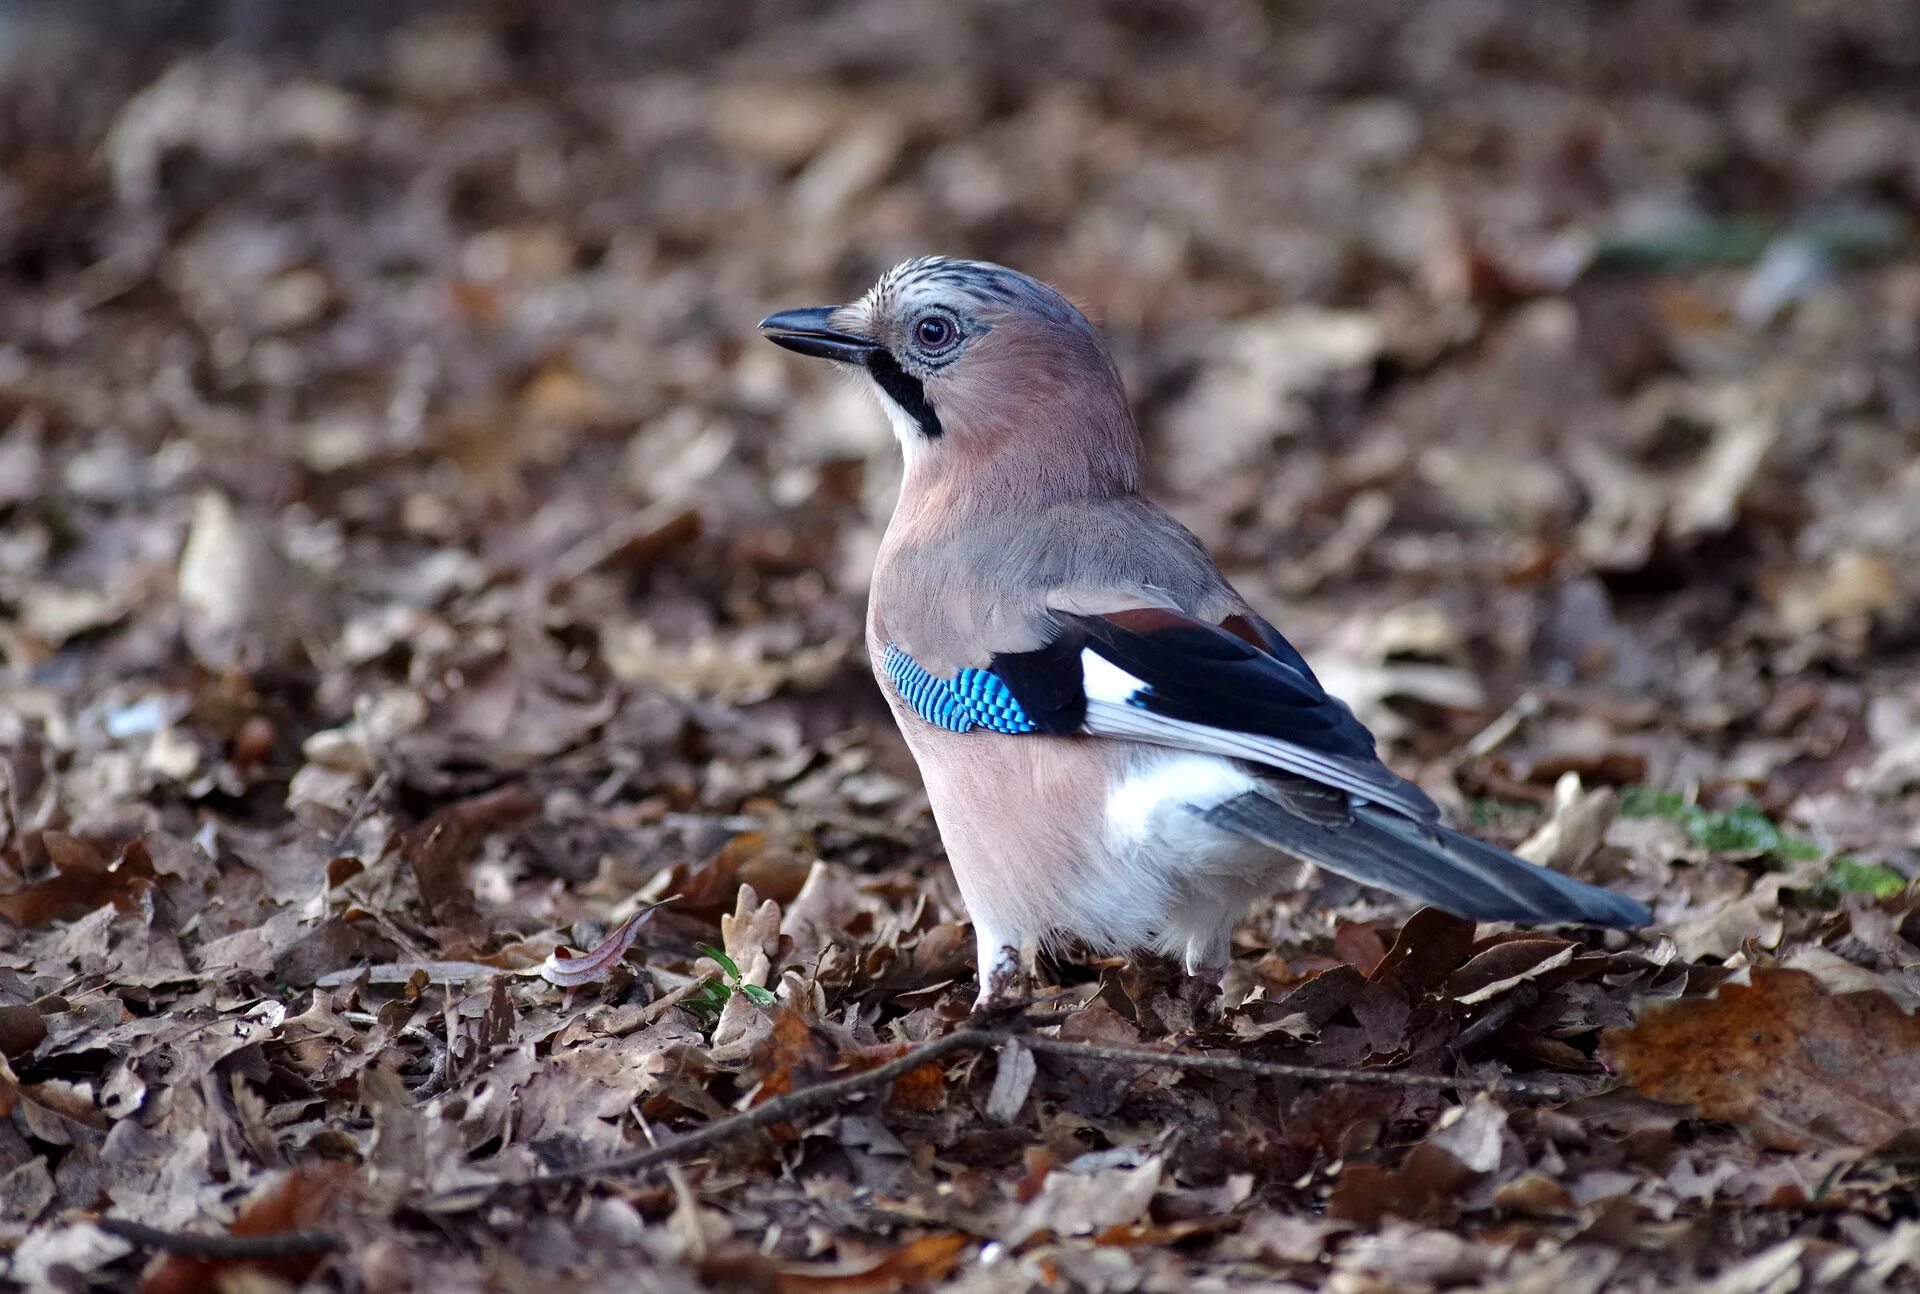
x: 1006, y: 988
x: 1197, y: 1006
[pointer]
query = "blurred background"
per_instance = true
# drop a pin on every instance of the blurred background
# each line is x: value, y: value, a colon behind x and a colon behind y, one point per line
x: 396, y: 501
x: 1496, y: 348
x: 395, y: 364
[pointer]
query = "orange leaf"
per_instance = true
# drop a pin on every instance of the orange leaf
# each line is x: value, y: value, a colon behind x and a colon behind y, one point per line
x: 1796, y: 1067
x: 919, y: 1263
x: 923, y: 1089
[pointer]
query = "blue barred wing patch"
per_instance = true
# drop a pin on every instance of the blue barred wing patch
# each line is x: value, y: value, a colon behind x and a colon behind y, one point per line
x: 972, y: 698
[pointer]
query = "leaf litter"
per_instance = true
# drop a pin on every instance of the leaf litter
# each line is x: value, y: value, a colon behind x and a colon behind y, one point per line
x: 436, y: 751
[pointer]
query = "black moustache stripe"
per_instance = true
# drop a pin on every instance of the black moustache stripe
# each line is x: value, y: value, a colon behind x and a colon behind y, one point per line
x: 905, y: 390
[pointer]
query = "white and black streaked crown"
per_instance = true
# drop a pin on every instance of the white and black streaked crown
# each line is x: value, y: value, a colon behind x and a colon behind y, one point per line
x: 984, y: 282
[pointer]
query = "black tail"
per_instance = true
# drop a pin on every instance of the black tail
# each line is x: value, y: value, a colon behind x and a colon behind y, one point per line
x: 1427, y: 862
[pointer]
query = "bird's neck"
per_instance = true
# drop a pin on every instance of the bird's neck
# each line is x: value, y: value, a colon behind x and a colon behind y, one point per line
x: 976, y: 471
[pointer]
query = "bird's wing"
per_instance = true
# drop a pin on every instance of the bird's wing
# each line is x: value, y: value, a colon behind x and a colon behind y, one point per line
x: 1239, y: 689
x: 1236, y: 689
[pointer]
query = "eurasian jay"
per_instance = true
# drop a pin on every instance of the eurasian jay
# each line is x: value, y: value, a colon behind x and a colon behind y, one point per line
x: 1117, y: 748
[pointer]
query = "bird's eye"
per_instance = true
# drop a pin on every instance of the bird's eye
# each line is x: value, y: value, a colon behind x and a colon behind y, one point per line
x: 935, y: 332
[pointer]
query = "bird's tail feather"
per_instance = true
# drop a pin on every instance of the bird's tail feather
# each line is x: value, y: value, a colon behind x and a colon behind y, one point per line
x: 1429, y: 863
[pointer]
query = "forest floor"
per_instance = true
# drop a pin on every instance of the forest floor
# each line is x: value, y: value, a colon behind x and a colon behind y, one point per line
x: 412, y: 565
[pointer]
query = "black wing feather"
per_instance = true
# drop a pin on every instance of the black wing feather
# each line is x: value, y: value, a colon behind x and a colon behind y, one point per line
x: 1047, y: 682
x: 1205, y: 674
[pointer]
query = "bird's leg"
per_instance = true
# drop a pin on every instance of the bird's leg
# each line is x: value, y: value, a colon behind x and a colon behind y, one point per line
x: 1004, y: 982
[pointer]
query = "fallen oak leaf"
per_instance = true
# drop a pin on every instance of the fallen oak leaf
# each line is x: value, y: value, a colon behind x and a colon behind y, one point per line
x: 1430, y: 947
x: 793, y: 1049
x: 1796, y: 1067
x: 1428, y: 1184
x: 1576, y: 827
x: 1506, y: 965
x: 1012, y: 1080
x: 1425, y: 1187
x: 921, y: 1090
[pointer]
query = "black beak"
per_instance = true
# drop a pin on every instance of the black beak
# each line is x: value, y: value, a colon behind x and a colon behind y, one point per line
x: 809, y: 333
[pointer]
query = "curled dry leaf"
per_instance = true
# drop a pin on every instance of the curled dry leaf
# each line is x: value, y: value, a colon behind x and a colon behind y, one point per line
x: 1798, y: 1068
x: 571, y: 970
x: 1576, y: 827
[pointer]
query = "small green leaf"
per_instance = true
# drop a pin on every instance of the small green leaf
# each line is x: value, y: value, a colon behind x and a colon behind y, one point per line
x: 1851, y: 876
x: 758, y: 996
x: 1652, y: 802
x: 706, y: 1005
x: 727, y: 965
x: 1742, y: 829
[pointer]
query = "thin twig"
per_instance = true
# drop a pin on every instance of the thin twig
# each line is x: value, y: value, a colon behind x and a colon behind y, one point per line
x: 281, y: 1244
x: 780, y: 1109
x: 787, y: 1107
x: 1280, y: 1069
x: 364, y: 803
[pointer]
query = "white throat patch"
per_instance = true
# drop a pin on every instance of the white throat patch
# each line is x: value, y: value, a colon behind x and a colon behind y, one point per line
x: 905, y: 429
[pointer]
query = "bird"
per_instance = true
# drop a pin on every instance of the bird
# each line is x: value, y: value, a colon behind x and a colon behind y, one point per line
x: 1118, y: 750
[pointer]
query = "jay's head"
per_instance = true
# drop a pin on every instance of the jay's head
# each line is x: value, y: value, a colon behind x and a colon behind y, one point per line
x: 990, y: 378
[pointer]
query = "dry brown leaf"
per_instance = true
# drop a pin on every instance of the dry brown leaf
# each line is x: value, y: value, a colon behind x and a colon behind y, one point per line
x: 1427, y: 950
x: 1012, y: 1080
x: 82, y: 881
x: 1708, y: 499
x: 301, y: 1199
x: 1094, y: 1193
x: 439, y: 849
x: 1798, y: 1068
x: 1576, y: 827
x: 917, y: 1264
x: 750, y: 935
x: 243, y: 604
x: 922, y: 1090
x: 1425, y: 1187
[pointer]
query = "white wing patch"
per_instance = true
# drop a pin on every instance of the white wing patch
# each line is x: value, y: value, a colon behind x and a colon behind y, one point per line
x: 1111, y: 713
x: 1105, y: 681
